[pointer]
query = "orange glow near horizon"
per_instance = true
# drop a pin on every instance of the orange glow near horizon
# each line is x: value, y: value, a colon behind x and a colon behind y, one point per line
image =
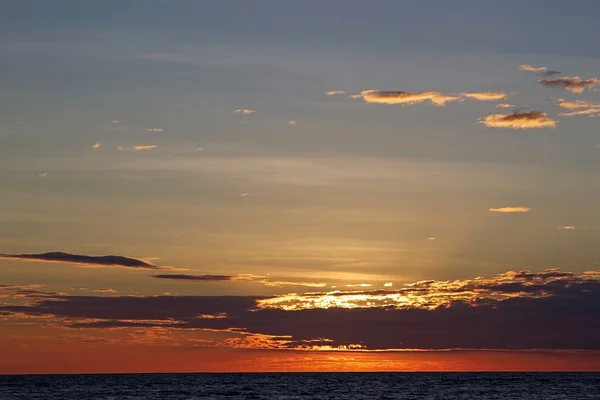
x: 55, y: 357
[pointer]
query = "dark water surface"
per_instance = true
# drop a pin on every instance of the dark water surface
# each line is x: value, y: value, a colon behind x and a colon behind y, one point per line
x: 529, y: 386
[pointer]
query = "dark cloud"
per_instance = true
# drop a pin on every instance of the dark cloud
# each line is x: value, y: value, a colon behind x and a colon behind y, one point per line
x: 517, y: 310
x: 185, y: 277
x: 105, y: 261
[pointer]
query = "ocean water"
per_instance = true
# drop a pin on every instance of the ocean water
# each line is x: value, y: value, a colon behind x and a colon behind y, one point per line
x: 530, y: 386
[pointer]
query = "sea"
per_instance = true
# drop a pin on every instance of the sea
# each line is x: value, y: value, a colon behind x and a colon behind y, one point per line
x: 501, y: 386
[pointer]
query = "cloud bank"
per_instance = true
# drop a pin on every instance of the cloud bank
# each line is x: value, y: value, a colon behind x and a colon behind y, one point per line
x: 517, y: 310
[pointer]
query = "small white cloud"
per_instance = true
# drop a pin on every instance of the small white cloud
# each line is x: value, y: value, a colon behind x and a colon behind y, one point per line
x: 199, y: 149
x: 388, y: 284
x: 335, y: 92
x: 153, y: 129
x: 244, y: 194
x: 43, y: 175
x: 292, y: 122
x: 115, y: 121
x: 360, y: 285
x: 430, y: 238
x: 504, y: 105
x: 120, y: 148
x: 245, y: 111
x: 510, y: 209
x: 96, y: 146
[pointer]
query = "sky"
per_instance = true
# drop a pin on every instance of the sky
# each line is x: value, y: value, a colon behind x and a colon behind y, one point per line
x: 271, y: 185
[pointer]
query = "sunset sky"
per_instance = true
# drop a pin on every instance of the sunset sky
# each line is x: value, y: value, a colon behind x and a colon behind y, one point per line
x: 270, y: 185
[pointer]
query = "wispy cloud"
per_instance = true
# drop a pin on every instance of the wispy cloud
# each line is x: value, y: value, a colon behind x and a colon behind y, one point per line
x: 519, y: 120
x: 200, y: 278
x: 505, y: 105
x: 510, y: 209
x: 43, y: 175
x: 241, y: 277
x: 153, y: 129
x: 245, y: 111
x: 537, y: 70
x: 292, y: 122
x: 400, y: 97
x: 487, y: 96
x: 101, y: 261
x: 144, y: 147
x: 115, y: 121
x: 572, y: 84
x: 436, y: 98
x: 580, y: 108
x: 568, y: 228
x: 96, y: 146
x: 106, y: 290
x: 335, y: 92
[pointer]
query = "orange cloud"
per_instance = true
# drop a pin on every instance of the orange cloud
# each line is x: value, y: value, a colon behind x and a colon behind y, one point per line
x: 144, y: 147
x: 510, y: 209
x: 399, y: 97
x: 487, y: 96
x: 580, y: 107
x: 537, y: 70
x: 572, y: 84
x: 519, y: 120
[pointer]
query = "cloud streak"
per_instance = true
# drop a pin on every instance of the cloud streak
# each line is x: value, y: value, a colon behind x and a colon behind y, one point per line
x: 100, y: 261
x: 510, y: 209
x: 519, y: 120
x: 572, y: 84
x: 436, y: 98
x: 486, y: 96
x: 199, y: 278
x: 400, y: 97
x: 241, y: 277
